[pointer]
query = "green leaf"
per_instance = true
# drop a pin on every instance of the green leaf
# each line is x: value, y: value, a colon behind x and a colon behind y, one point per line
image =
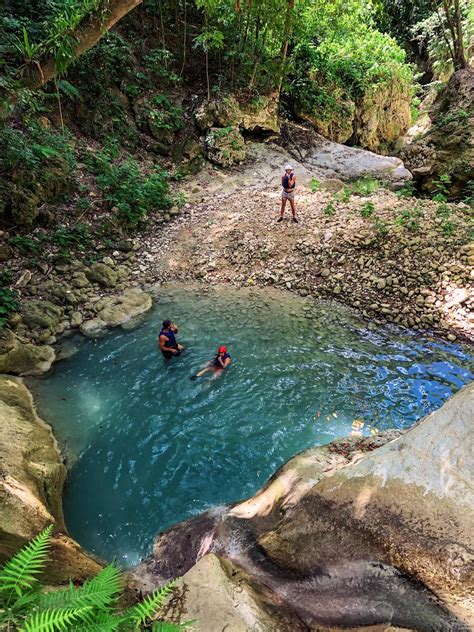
x: 142, y: 612
x: 20, y: 573
x: 99, y: 592
x: 54, y: 620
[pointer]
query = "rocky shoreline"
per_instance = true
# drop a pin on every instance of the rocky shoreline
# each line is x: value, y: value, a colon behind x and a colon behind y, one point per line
x: 392, y: 259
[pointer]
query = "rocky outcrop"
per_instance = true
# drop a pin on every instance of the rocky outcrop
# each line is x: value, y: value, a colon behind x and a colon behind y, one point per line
x: 375, y: 121
x: 446, y: 148
x: 360, y: 532
x: 340, y: 161
x: 258, y: 115
x: 31, y: 484
x: 23, y: 358
x: 116, y: 310
x: 225, y: 146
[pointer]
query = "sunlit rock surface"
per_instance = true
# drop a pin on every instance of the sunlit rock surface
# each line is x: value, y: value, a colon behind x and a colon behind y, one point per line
x: 352, y: 534
x: 31, y: 484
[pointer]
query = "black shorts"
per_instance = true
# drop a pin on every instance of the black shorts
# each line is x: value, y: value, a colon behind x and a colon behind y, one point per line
x: 169, y: 354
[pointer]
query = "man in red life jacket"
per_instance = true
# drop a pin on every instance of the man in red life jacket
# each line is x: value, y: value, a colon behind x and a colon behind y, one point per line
x: 288, y: 183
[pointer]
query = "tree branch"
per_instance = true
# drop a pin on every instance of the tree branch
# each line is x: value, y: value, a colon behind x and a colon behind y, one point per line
x: 87, y: 35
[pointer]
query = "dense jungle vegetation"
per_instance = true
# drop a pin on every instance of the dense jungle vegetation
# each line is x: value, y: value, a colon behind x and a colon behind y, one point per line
x: 97, y: 96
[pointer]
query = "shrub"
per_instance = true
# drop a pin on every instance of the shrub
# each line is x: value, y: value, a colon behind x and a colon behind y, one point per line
x: 127, y: 189
x: 367, y: 209
x: 8, y: 305
x: 93, y: 606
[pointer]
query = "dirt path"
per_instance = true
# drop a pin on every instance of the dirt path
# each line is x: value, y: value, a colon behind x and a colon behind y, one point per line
x: 395, y: 259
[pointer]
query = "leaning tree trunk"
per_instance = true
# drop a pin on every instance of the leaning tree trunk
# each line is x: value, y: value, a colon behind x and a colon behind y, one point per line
x: 89, y: 32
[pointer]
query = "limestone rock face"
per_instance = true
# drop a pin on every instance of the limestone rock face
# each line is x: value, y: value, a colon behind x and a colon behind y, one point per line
x: 31, y: 483
x: 361, y: 532
x: 447, y: 146
x: 257, y: 115
x: 225, y: 146
x: 21, y: 358
x: 373, y: 122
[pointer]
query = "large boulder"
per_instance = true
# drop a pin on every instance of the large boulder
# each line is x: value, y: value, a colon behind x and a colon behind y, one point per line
x: 225, y: 146
x: 360, y: 532
x: 41, y: 316
x: 446, y: 147
x: 102, y: 274
x: 31, y: 484
x: 333, y: 160
x: 118, y: 309
x: 24, y: 358
x: 257, y: 115
x: 121, y: 308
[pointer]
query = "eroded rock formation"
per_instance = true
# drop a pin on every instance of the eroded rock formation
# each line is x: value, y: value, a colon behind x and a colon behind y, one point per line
x: 342, y: 536
x: 31, y: 484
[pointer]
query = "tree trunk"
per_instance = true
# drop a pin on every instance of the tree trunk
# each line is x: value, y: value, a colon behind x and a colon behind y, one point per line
x: 87, y: 35
x: 286, y: 37
x: 460, y: 61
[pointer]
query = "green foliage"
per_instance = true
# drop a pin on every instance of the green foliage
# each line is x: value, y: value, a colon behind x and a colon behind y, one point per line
x: 365, y: 186
x: 407, y: 190
x: 344, y: 195
x: 441, y: 187
x: 409, y: 219
x: 368, y: 209
x: 130, y: 192
x: 78, y: 237
x: 92, y: 607
x: 336, y: 71
x: 25, y: 245
x: 329, y: 209
x: 314, y: 185
x: 8, y: 303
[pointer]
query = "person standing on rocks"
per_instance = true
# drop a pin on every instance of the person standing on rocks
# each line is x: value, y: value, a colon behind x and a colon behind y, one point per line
x: 167, y: 342
x: 288, y: 182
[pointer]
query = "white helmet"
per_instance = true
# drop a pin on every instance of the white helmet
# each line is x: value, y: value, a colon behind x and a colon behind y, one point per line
x: 288, y: 167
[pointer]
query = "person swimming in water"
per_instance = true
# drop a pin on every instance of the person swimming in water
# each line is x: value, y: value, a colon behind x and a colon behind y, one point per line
x: 219, y: 362
x: 167, y: 342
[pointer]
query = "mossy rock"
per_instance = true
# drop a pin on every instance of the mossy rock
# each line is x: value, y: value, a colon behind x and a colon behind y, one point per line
x: 225, y: 146
x: 41, y: 315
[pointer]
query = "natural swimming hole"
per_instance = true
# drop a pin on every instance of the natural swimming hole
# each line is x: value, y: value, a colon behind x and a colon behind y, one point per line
x: 148, y: 447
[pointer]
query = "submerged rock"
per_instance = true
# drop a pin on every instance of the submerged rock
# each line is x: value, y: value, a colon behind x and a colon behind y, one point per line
x: 361, y: 532
x: 24, y: 358
x: 31, y: 484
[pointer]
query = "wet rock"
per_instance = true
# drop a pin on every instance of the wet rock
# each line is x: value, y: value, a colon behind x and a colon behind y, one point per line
x: 93, y: 327
x: 76, y: 319
x: 215, y: 590
x: 123, y: 307
x: 23, y: 358
x: 390, y: 515
x: 102, y: 274
x: 31, y: 486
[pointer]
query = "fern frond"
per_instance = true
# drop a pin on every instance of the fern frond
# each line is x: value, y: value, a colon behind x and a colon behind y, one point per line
x: 20, y: 573
x: 100, y: 592
x: 103, y: 622
x: 163, y: 626
x: 141, y: 612
x: 54, y: 620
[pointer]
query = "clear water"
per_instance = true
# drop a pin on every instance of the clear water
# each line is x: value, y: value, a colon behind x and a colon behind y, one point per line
x: 150, y: 447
